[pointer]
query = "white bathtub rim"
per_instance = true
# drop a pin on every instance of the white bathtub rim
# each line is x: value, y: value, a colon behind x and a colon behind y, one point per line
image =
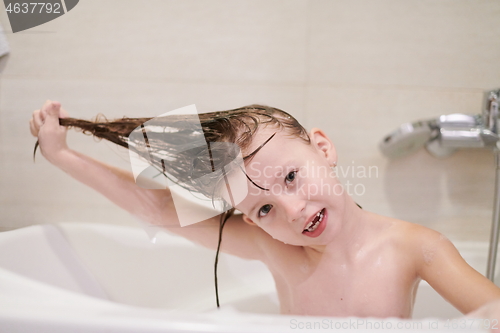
x: 51, y: 307
x: 25, y: 301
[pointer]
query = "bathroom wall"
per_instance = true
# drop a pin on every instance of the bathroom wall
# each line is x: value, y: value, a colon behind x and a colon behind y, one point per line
x: 356, y: 68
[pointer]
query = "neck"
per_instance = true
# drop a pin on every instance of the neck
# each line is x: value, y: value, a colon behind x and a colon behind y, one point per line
x: 350, y: 235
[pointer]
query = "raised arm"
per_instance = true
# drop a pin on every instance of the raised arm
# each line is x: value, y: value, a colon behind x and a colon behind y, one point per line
x: 442, y: 266
x: 116, y: 184
x: 152, y: 206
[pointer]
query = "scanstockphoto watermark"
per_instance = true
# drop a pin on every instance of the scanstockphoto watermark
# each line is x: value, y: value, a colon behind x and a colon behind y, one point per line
x: 309, y: 190
x: 311, y: 169
x: 381, y: 324
x: 353, y: 324
x: 311, y: 180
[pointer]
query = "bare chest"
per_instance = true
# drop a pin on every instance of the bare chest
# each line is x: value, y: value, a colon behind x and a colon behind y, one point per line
x: 379, y: 287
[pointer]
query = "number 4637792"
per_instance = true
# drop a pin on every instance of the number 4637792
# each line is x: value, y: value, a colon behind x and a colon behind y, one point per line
x: 33, y: 8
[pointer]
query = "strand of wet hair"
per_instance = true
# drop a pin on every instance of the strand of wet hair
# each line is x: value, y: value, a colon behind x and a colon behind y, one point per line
x: 115, y: 131
x: 223, y: 219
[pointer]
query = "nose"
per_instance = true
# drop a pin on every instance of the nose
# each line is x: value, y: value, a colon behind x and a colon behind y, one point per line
x: 293, y: 207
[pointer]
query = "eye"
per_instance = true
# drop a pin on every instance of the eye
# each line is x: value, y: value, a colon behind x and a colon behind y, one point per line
x: 290, y: 177
x: 264, y: 210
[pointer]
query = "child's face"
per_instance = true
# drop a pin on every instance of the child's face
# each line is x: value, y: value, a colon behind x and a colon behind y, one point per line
x: 303, y: 192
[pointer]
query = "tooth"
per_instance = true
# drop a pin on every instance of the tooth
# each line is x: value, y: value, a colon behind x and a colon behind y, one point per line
x: 311, y: 226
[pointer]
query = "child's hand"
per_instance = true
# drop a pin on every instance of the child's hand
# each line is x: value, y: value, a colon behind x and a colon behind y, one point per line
x: 44, y: 124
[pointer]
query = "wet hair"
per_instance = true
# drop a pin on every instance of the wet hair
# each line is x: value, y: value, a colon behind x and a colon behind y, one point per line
x: 167, y: 137
x: 168, y: 145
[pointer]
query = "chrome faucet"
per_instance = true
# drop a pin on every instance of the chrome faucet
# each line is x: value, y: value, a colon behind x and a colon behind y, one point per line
x: 490, y: 110
x: 443, y: 136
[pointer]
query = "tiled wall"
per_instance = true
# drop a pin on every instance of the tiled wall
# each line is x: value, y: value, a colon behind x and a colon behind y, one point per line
x: 356, y: 68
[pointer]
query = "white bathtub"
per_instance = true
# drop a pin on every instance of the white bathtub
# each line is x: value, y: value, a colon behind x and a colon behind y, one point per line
x: 79, y: 277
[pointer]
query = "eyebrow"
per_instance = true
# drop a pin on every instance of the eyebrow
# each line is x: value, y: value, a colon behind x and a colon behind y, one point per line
x: 252, y: 154
x: 259, y: 148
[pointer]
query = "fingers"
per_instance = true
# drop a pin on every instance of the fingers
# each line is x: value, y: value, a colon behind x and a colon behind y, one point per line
x: 33, y: 130
x: 44, y: 109
x: 36, y: 122
x: 52, y: 112
x: 48, y: 114
x: 37, y: 117
x: 53, y: 109
x: 50, y: 109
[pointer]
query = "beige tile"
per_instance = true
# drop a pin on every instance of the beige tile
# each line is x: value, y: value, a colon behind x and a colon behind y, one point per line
x: 357, y: 118
x: 115, y: 98
x: 216, y: 41
x: 413, y: 42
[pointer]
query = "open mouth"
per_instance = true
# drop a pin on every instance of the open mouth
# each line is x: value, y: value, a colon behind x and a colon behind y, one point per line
x: 313, y: 225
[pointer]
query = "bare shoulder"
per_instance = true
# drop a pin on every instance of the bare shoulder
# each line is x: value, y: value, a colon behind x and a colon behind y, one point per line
x: 412, y: 234
x: 394, y: 231
x: 425, y: 243
x: 436, y: 260
x: 238, y: 238
x: 422, y: 240
x: 440, y: 264
x: 416, y: 243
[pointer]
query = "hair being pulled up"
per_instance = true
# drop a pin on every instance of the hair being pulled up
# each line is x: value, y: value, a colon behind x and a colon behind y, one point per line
x: 168, y: 137
x: 236, y: 125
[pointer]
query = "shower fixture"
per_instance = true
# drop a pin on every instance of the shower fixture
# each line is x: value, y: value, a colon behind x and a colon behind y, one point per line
x: 443, y: 136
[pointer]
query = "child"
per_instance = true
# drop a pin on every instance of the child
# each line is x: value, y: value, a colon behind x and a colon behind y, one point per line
x: 328, y: 256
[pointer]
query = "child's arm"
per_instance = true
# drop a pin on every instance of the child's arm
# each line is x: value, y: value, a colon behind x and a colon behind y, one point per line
x: 115, y: 184
x: 489, y: 311
x: 440, y: 264
x: 153, y: 206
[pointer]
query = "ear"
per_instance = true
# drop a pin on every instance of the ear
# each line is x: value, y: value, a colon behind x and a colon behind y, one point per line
x: 322, y: 143
x: 248, y: 220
